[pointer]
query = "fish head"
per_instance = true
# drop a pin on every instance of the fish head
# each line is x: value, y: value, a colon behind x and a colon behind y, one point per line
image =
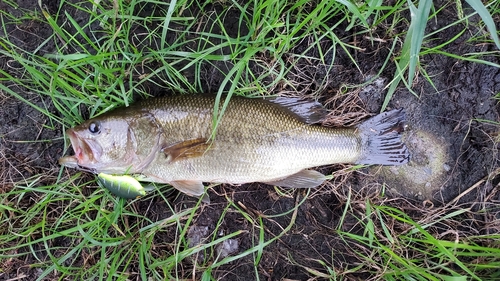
x: 113, y: 144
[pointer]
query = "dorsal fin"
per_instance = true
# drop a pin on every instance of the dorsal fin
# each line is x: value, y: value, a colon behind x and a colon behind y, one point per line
x: 308, y: 111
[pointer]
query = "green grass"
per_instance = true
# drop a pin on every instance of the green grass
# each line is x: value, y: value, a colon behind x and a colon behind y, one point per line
x: 432, y: 258
x: 71, y: 229
x: 414, y: 41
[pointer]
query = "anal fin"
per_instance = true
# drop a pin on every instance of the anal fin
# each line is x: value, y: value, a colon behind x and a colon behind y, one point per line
x: 192, y: 188
x: 302, y: 179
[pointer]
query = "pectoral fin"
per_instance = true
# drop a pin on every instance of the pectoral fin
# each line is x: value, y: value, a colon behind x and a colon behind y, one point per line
x: 192, y: 188
x: 302, y: 179
x: 186, y: 149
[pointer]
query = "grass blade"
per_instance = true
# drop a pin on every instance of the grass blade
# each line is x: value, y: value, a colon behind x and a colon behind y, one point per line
x: 488, y: 20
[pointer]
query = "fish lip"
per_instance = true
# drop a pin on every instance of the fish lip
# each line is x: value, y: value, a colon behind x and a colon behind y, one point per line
x: 86, y: 150
x: 68, y: 161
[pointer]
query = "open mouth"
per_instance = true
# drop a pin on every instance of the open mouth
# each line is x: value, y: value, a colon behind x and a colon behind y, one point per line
x: 83, y: 152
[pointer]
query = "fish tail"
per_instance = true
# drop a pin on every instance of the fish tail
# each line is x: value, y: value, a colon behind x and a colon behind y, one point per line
x: 381, y: 139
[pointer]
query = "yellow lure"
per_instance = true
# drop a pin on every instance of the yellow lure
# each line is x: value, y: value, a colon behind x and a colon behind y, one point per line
x: 123, y: 186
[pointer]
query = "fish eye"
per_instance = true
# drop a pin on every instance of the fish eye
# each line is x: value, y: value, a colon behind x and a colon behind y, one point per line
x: 95, y: 127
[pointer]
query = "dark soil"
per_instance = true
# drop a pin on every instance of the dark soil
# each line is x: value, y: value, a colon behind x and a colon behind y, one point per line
x: 444, y: 119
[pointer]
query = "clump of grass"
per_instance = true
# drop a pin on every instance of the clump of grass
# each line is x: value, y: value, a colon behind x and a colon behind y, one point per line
x: 414, y: 41
x: 393, y: 239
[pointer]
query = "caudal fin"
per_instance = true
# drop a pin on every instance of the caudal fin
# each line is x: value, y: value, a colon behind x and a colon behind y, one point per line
x: 381, y: 137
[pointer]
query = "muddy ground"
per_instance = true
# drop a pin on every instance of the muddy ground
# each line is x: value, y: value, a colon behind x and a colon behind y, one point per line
x: 453, y: 148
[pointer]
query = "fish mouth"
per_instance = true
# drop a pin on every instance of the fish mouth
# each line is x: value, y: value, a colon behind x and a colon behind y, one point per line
x: 87, y: 152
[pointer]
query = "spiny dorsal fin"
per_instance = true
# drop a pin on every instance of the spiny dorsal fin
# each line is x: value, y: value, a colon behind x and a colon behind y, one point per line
x: 308, y: 111
x: 186, y: 149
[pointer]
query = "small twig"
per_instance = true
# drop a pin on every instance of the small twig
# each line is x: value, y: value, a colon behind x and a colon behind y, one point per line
x: 474, y: 186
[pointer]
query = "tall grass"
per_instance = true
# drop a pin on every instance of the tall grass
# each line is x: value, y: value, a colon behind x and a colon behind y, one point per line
x: 415, y: 36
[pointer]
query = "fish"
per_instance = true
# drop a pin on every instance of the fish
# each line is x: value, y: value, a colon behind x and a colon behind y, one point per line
x: 275, y: 141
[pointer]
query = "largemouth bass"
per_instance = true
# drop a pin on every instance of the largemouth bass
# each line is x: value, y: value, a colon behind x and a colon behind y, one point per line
x: 273, y: 141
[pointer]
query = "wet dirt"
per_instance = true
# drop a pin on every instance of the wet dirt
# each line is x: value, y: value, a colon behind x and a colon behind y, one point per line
x: 452, y: 146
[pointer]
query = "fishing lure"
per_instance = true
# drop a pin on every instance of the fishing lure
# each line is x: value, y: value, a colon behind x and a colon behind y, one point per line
x: 123, y: 186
